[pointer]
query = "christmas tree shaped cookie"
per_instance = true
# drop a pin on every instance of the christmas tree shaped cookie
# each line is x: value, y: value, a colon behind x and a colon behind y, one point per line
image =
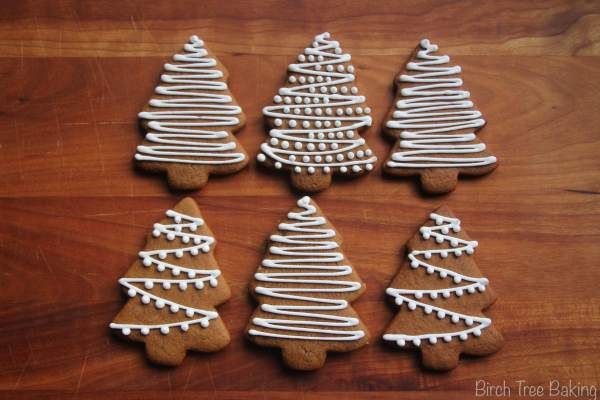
x: 173, y: 289
x: 190, y: 121
x: 316, y: 120
x: 434, y: 123
x: 441, y: 295
x: 304, y: 287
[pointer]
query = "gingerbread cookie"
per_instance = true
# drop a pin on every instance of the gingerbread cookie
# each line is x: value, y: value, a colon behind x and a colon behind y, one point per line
x: 190, y: 121
x: 304, y: 287
x: 316, y: 119
x: 441, y: 295
x: 434, y: 123
x: 174, y: 288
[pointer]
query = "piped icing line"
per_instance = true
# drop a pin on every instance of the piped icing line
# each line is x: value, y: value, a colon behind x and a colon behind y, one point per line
x: 474, y: 324
x: 176, y: 135
x: 431, y: 111
x: 317, y: 120
x: 182, y: 229
x: 309, y: 248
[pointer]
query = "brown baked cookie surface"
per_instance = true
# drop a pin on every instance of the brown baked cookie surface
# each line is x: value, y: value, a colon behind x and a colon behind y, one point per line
x: 173, y: 289
x: 441, y: 295
x: 434, y: 121
x: 316, y: 119
x: 190, y: 120
x: 304, y: 286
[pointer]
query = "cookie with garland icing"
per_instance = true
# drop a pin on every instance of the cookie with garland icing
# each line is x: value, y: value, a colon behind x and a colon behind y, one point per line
x: 190, y: 121
x: 441, y: 295
x: 173, y: 289
x: 316, y: 120
x: 434, y: 121
x: 304, y: 286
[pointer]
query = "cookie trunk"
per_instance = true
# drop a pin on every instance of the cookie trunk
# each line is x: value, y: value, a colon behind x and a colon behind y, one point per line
x: 439, y: 180
x: 311, y: 183
x: 303, y: 357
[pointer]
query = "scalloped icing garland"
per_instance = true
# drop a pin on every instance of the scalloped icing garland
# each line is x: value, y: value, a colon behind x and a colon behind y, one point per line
x: 155, y: 258
x: 440, y: 232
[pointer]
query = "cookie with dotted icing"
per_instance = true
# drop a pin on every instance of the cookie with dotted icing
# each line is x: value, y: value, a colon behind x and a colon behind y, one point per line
x: 434, y: 121
x: 304, y: 286
x: 441, y: 295
x: 316, y: 119
x: 190, y: 121
x: 173, y: 289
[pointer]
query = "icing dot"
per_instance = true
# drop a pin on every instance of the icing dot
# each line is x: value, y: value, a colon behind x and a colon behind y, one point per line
x: 459, y: 292
x: 444, y: 254
x: 412, y: 305
x: 311, y: 79
x: 199, y: 285
x: 302, y: 79
x: 333, y: 89
x: 323, y: 89
x: 359, y: 110
x: 322, y: 146
x: 367, y: 110
x: 427, y: 254
x: 305, y: 159
x: 401, y: 342
x: 318, y: 124
x: 443, y: 274
x: 343, y: 169
x: 349, y: 111
x: 320, y: 58
x: 194, y: 251
x: 416, y: 342
x: 477, y: 332
x: 338, y: 50
x: 463, y: 336
x: 369, y: 167
x: 354, y: 90
x: 356, y: 168
x: 311, y: 58
x: 344, y: 89
x: 292, y: 123
x: 319, y: 78
x: 189, y: 313
x: 292, y: 157
x: 469, y: 321
x: 145, y: 299
x: 160, y: 267
x: 430, y: 270
x: 441, y: 315
x: 278, y: 165
x: 418, y: 295
x: 292, y: 79
x: 317, y: 67
x: 164, y: 330
x: 351, y: 155
x: 329, y: 68
x: 415, y: 264
x: 170, y: 236
x: 439, y: 239
x: 175, y: 271
x: 433, y: 295
x: 131, y: 292
x: 174, y: 308
x: 457, y: 279
x: 427, y: 309
x: 148, y: 284
x: 126, y: 331
x: 287, y: 100
x: 147, y: 261
x: 318, y: 158
x: 156, y: 233
x: 261, y: 157
x: 301, y: 58
x: 446, y: 294
x: 278, y: 122
x: 339, y: 157
x: 286, y: 110
x: 453, y: 242
x: 338, y: 123
x: 277, y: 98
x: 368, y: 152
x: 298, y: 145
x: 334, y: 146
x: 340, y: 68
x: 455, y: 319
x: 311, y: 170
x: 339, y: 111
x: 340, y: 135
x: 350, y: 69
x: 297, y: 170
x: 204, y: 323
x: 445, y: 230
x: 298, y: 100
x: 185, y: 239
x: 433, y: 340
x: 471, y: 289
x: 145, y: 331
x: 328, y: 158
x: 178, y: 253
x: 319, y: 111
x: 305, y: 124
x: 326, y: 170
x: 285, y: 144
x: 310, y: 146
x: 182, y: 285
x: 447, y: 338
x: 159, y: 304
x: 184, y: 327
x: 162, y: 255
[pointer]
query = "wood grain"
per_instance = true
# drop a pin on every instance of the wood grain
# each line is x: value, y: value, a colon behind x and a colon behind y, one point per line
x: 74, y: 74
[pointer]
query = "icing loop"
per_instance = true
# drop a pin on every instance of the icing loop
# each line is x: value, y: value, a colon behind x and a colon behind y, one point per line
x: 182, y: 228
x: 472, y: 325
x: 317, y: 120
x: 176, y: 134
x: 431, y: 113
x: 308, y: 258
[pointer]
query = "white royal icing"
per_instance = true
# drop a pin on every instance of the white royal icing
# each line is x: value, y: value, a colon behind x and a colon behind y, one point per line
x: 186, y: 142
x: 472, y: 325
x: 431, y: 111
x: 309, y: 252
x: 183, y: 230
x: 317, y: 120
